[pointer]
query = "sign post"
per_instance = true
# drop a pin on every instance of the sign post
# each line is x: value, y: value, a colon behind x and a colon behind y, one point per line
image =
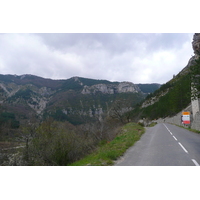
x: 185, y: 118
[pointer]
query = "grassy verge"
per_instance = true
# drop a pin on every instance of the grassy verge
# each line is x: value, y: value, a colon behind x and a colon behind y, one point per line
x: 152, y: 124
x: 188, y: 128
x: 107, y: 153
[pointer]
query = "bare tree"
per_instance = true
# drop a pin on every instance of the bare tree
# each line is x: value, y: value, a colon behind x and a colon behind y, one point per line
x: 118, y: 110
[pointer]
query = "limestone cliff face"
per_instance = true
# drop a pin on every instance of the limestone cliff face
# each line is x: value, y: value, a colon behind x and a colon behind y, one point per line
x: 196, y: 48
x: 196, y: 45
x: 122, y: 87
x: 35, y: 98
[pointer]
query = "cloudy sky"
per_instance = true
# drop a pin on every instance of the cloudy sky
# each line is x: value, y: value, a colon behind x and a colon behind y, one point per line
x: 134, y: 57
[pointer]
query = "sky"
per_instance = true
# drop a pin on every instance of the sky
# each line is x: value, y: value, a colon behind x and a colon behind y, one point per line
x: 133, y: 57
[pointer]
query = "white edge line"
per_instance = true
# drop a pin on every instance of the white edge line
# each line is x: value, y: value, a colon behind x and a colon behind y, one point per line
x: 174, y: 138
x: 195, y: 162
x: 183, y: 147
x: 168, y: 130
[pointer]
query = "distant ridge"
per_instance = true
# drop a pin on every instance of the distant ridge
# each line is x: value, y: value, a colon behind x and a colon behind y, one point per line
x: 75, y: 99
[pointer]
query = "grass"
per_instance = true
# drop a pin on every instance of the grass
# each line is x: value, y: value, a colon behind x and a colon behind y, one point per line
x: 152, y: 124
x: 193, y: 130
x: 106, y: 154
x: 189, y: 129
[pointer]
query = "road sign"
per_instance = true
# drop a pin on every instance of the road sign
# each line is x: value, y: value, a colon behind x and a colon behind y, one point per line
x: 185, y: 118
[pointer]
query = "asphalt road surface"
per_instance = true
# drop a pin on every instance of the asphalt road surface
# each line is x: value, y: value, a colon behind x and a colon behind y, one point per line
x: 164, y: 145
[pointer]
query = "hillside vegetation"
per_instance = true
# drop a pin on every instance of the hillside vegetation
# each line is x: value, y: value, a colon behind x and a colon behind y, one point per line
x: 107, y: 153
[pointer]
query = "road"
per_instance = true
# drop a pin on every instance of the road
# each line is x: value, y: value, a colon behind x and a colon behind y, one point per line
x: 164, y: 145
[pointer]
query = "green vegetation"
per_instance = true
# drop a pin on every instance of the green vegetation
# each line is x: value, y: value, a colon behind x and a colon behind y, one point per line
x: 54, y: 143
x: 188, y: 128
x: 173, y: 97
x: 107, y: 153
x: 7, y: 118
x: 25, y: 94
x: 74, y: 104
x: 90, y: 82
x: 71, y: 84
x: 193, y: 130
x: 195, y: 79
x: 152, y: 124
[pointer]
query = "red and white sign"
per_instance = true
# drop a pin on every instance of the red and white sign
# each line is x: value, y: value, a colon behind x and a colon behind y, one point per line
x: 185, y: 117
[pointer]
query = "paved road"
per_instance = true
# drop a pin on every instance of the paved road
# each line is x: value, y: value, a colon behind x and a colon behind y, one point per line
x: 164, y: 145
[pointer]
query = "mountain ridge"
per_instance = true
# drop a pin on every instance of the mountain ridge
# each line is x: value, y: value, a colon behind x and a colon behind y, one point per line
x: 77, y: 97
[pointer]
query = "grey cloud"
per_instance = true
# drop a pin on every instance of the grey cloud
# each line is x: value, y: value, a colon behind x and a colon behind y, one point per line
x: 118, y: 57
x: 115, y: 43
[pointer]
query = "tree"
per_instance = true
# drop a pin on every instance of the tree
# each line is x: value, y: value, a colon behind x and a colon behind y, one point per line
x: 56, y: 144
x: 118, y: 110
x: 195, y: 79
x: 27, y: 134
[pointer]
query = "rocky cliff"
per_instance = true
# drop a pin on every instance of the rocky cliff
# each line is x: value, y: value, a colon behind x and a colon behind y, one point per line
x: 196, y: 48
x: 196, y: 45
x: 123, y: 87
x: 196, y: 102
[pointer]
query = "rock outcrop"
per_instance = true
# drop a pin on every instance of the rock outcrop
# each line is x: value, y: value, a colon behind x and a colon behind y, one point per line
x: 196, y: 45
x: 123, y: 87
x: 196, y: 48
x: 196, y: 102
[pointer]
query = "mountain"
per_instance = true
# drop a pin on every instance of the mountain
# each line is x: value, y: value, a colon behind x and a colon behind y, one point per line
x: 77, y: 100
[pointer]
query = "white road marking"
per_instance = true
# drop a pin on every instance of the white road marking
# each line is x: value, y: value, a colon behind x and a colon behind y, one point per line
x: 174, y: 138
x: 168, y: 129
x: 195, y: 162
x: 183, y: 147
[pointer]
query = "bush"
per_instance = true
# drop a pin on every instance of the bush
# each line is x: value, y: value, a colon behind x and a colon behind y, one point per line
x: 55, y: 143
x: 141, y: 124
x: 107, y: 153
